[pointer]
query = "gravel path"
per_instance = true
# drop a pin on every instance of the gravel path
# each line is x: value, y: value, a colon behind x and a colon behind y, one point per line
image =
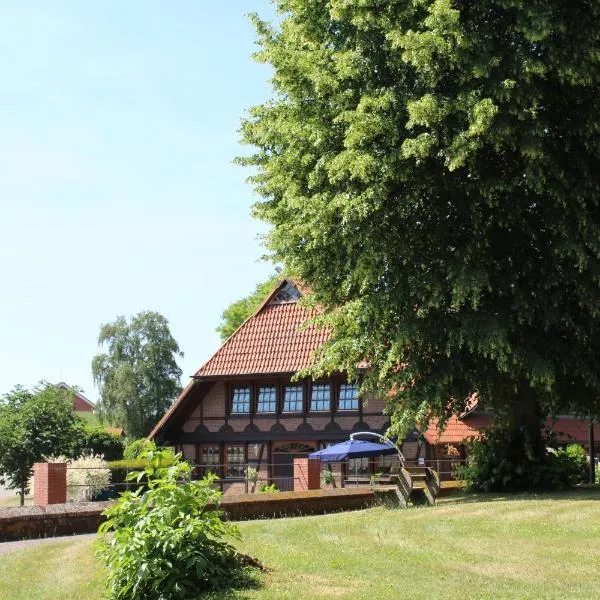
x: 6, y: 547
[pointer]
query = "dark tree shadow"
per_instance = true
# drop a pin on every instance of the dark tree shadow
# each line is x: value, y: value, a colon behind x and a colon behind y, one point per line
x: 580, y: 493
x: 244, y: 579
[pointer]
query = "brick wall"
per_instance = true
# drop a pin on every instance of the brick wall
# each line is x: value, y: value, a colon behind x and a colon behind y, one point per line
x: 214, y: 401
x: 66, y: 519
x: 50, y: 483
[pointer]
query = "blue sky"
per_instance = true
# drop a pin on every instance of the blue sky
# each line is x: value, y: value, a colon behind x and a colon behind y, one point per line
x: 118, y: 125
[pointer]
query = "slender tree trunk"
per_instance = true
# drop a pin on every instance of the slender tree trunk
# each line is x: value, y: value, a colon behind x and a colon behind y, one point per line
x: 592, y: 442
x: 22, y: 496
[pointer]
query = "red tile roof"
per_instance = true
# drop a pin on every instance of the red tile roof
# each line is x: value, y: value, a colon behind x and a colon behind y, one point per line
x: 271, y: 341
x: 458, y: 430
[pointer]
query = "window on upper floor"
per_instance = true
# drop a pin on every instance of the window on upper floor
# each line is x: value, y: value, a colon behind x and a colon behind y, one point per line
x: 348, y: 397
x: 293, y: 398
x: 267, y: 399
x: 240, y: 400
x: 320, y: 399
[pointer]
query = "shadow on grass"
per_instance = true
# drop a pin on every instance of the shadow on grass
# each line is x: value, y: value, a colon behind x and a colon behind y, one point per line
x: 581, y: 493
x: 245, y: 579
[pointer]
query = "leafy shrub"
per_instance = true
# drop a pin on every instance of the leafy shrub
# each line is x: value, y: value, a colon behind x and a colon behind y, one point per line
x: 135, y: 448
x: 568, y: 466
x: 501, y: 461
x: 169, y: 540
x: 328, y: 477
x: 96, y: 440
x: 269, y: 488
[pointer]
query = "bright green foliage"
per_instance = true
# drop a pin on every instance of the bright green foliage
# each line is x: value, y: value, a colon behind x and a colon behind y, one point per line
x: 167, y: 541
x: 138, y: 376
x: 237, y: 312
x: 501, y: 460
x: 431, y: 170
x: 135, y: 448
x: 270, y: 488
x: 34, y: 424
x: 577, y: 459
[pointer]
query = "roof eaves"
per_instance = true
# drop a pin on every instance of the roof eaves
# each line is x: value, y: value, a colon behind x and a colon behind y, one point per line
x: 171, y: 410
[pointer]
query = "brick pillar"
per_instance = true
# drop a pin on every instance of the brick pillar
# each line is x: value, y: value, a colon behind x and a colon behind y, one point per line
x: 50, y: 483
x: 307, y: 474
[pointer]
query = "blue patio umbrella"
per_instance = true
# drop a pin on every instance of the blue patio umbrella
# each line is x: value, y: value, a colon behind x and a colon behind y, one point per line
x: 353, y: 449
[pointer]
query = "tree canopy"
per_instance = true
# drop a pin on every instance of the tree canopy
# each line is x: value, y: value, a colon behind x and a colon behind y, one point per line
x: 34, y: 424
x: 237, y: 312
x: 431, y: 171
x: 138, y: 377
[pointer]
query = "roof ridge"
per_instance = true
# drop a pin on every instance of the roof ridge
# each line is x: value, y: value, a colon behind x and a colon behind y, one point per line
x: 272, y: 293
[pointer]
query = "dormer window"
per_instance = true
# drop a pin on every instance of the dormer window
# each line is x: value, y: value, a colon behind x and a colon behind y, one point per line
x: 240, y: 400
x: 288, y: 293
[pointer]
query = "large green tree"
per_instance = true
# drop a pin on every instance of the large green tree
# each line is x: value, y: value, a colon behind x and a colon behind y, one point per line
x: 34, y: 424
x: 237, y: 312
x: 431, y: 169
x: 138, y: 376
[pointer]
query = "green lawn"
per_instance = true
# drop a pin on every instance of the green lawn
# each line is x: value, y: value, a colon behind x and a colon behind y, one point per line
x: 12, y: 501
x: 89, y: 417
x: 523, y: 547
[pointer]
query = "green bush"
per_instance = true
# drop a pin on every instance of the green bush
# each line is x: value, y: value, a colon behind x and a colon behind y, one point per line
x: 96, y: 440
x: 269, y: 488
x: 328, y: 477
x: 568, y: 466
x: 500, y: 461
x: 169, y: 540
x: 135, y: 448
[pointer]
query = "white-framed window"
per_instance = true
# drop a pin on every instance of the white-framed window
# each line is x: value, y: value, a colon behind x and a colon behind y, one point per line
x: 293, y: 398
x: 320, y: 399
x: 240, y: 400
x: 209, y: 459
x: 348, y: 397
x: 267, y: 399
x: 236, y: 461
x: 358, y: 466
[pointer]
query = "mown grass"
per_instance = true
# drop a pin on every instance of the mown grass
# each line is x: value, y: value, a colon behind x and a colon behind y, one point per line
x: 544, y: 547
x: 89, y: 417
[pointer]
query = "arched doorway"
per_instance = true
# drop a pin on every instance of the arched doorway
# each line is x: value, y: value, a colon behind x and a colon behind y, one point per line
x: 283, y: 455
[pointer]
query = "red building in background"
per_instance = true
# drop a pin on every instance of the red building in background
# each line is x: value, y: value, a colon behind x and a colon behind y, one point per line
x: 80, y: 402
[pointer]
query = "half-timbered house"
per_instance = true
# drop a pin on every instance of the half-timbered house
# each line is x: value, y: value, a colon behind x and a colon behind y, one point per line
x: 244, y: 409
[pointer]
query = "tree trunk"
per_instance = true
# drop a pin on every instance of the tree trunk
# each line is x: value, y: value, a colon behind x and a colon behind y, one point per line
x: 22, y: 496
x: 524, y: 420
